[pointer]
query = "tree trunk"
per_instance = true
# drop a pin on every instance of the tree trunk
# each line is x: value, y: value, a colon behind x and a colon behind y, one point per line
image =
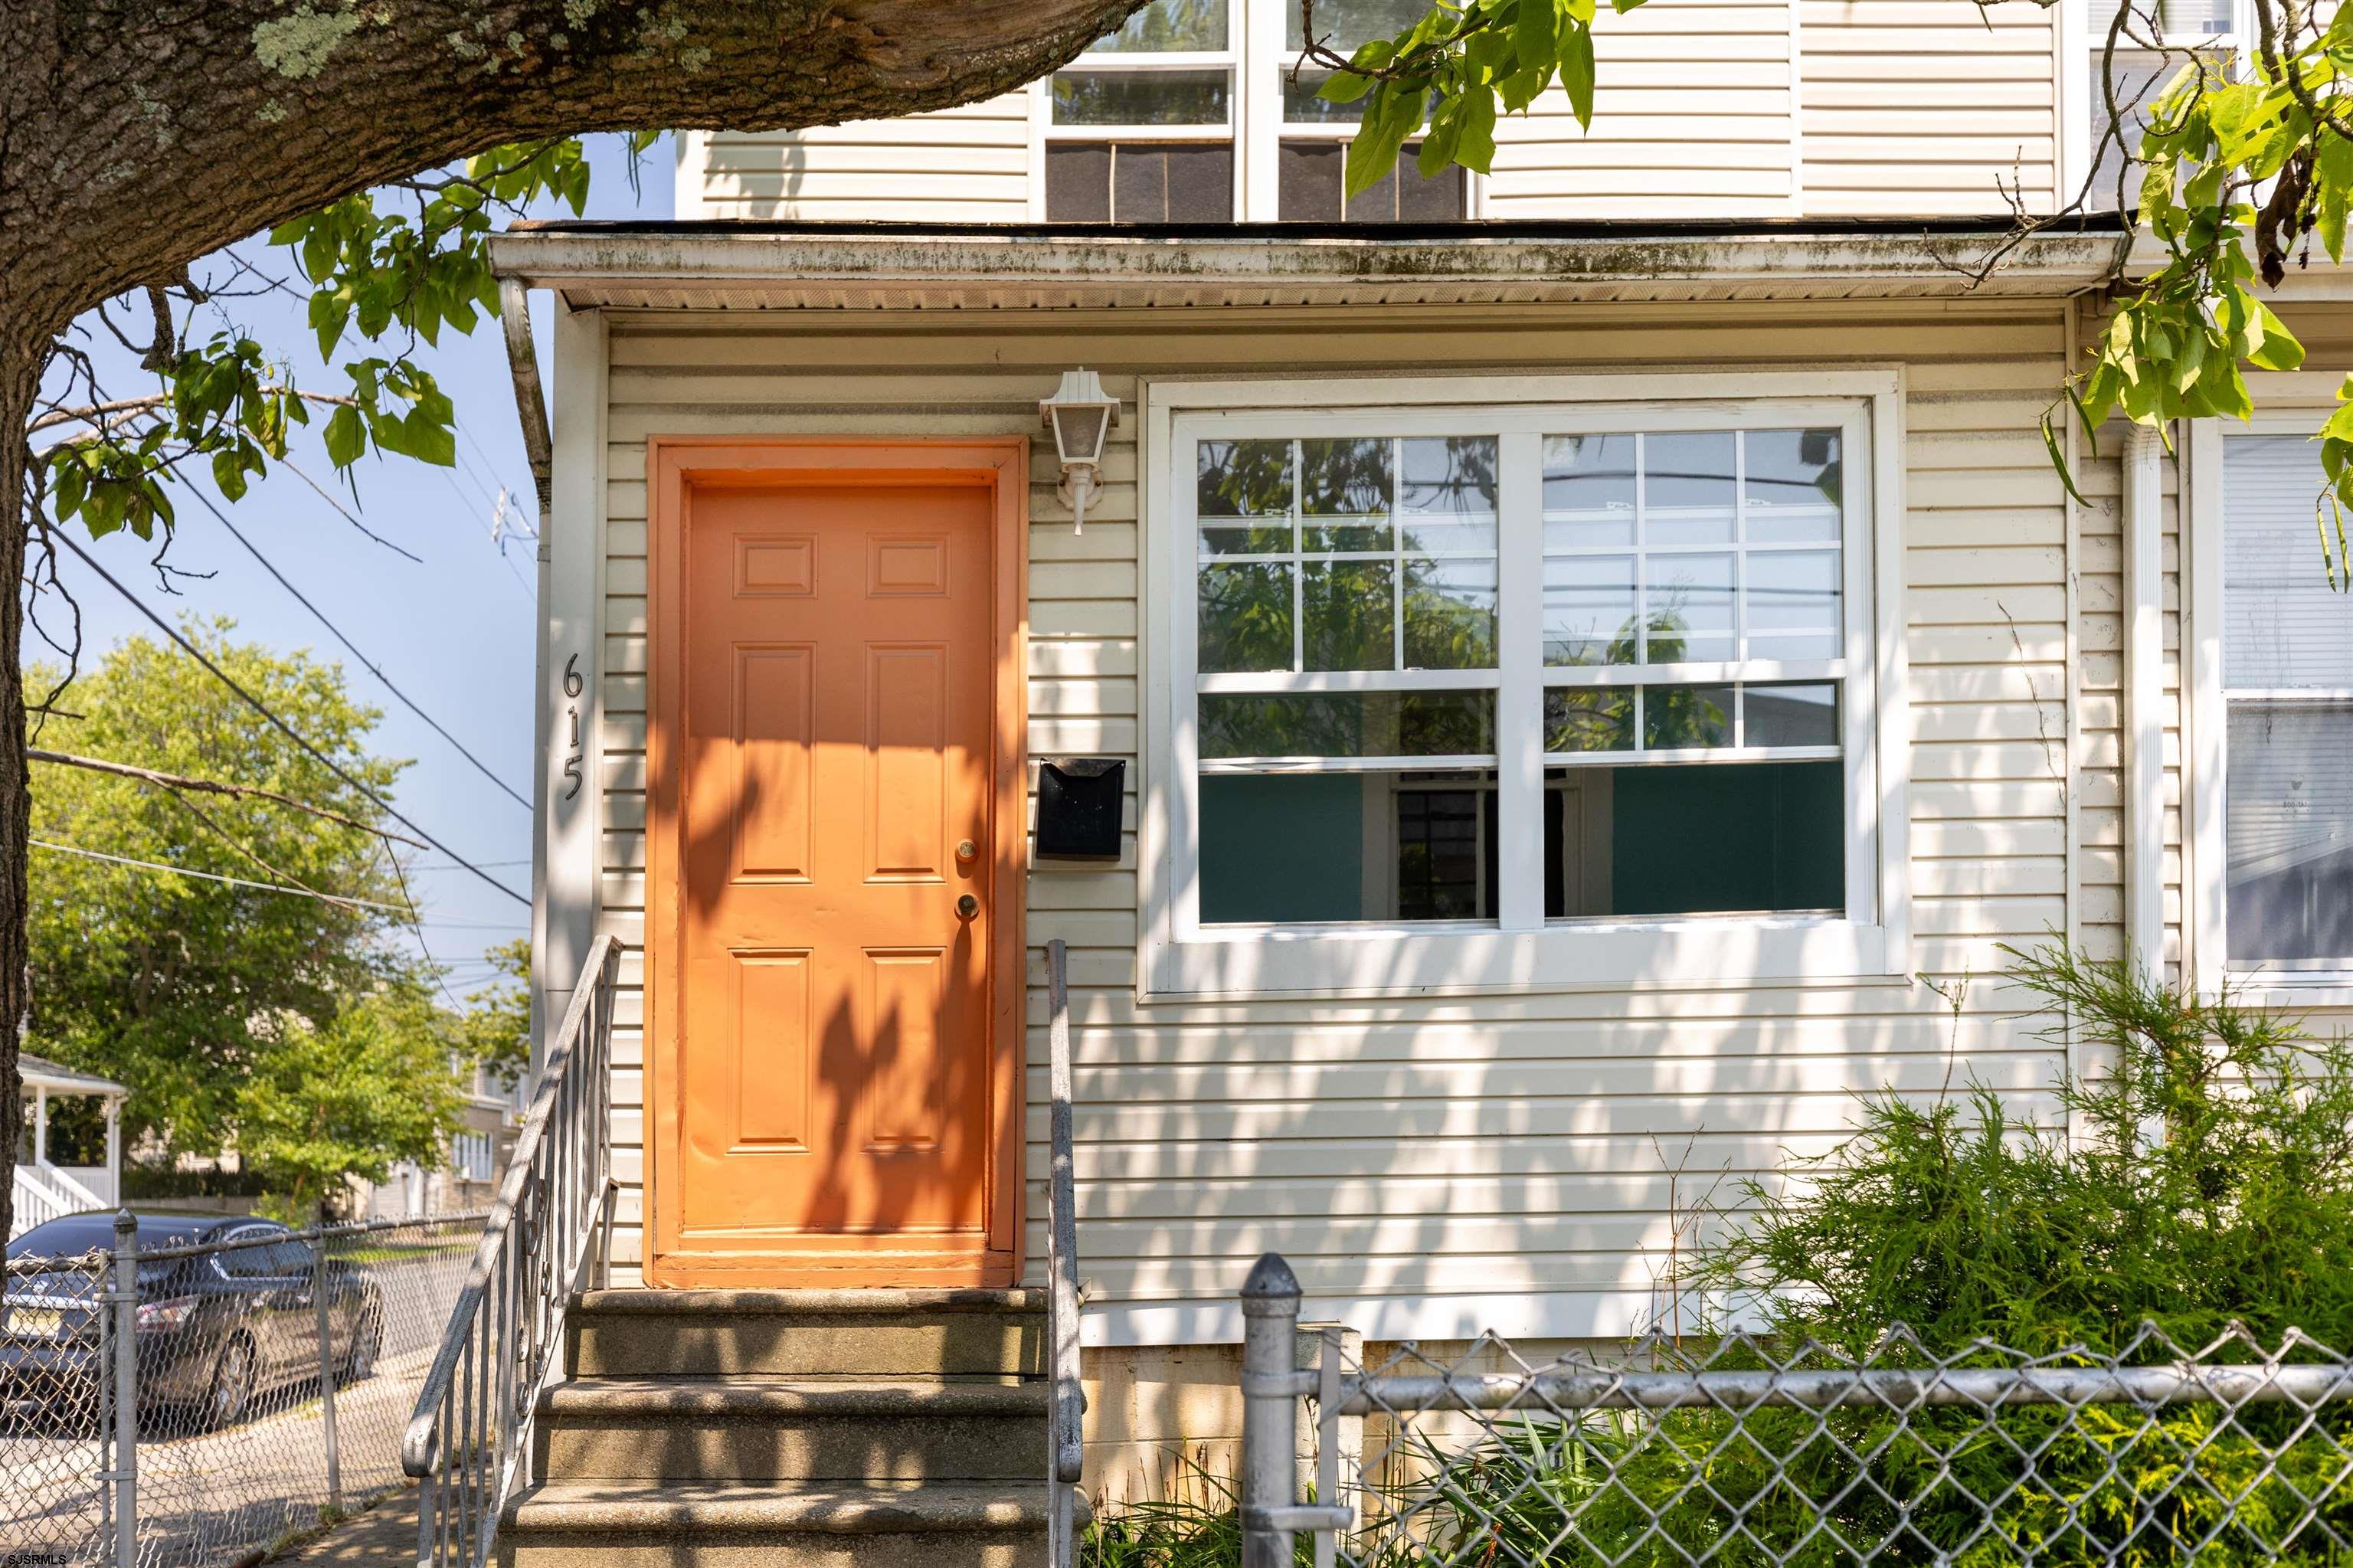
x: 137, y: 136
x: 20, y: 368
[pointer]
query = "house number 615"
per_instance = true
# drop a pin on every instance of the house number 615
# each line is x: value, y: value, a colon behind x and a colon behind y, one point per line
x: 573, y: 686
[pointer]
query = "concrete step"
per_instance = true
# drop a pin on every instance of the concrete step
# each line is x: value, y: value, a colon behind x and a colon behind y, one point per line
x: 808, y: 1333
x: 762, y: 1429
x: 636, y: 1524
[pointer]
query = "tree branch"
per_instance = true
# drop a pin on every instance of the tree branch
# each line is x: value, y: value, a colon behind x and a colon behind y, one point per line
x: 213, y: 786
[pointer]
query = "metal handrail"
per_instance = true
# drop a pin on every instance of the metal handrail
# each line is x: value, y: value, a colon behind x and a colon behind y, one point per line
x: 1066, y: 1415
x: 471, y: 1431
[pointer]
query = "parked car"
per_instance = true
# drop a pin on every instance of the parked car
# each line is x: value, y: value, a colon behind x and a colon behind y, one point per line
x: 220, y: 1331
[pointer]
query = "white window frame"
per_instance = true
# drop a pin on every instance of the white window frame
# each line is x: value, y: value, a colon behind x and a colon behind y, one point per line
x: 2206, y: 901
x: 1231, y: 59
x: 1181, y: 959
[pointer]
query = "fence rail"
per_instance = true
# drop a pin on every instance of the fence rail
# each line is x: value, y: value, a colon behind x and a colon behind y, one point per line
x: 471, y: 1429
x: 185, y: 1403
x: 1740, y: 1449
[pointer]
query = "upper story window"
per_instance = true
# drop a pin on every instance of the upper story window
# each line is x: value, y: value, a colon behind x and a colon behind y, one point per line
x: 1173, y: 119
x: 1141, y: 127
x: 1314, y: 133
x: 2287, y: 688
x: 1583, y: 676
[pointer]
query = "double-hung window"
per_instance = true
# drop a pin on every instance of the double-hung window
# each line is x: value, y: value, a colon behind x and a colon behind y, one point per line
x: 1513, y: 693
x: 1314, y: 133
x: 1141, y: 127
x: 2287, y: 701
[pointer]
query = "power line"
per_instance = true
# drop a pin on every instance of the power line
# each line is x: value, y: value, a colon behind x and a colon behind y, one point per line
x: 193, y: 652
x: 365, y: 662
x: 215, y: 876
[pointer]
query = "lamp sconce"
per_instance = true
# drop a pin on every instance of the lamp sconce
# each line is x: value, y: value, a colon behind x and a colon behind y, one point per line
x: 1082, y: 419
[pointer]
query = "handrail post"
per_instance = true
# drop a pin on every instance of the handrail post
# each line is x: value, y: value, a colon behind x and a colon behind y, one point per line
x: 1270, y: 1411
x: 1066, y: 1412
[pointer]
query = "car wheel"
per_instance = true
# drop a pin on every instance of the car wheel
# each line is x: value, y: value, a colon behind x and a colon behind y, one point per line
x: 231, y: 1397
x: 367, y: 1344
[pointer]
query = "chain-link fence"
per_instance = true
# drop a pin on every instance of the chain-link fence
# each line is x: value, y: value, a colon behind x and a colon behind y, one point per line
x: 1743, y: 1450
x: 271, y: 1375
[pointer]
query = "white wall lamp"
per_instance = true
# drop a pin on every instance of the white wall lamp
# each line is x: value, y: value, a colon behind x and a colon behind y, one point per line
x: 1082, y: 419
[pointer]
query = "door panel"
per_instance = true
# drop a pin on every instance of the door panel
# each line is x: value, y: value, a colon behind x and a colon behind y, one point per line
x: 839, y: 1077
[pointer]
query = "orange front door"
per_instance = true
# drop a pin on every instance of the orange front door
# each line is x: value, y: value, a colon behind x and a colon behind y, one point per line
x: 835, y: 1090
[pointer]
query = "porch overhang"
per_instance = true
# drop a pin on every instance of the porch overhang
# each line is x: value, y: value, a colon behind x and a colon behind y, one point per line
x: 919, y: 267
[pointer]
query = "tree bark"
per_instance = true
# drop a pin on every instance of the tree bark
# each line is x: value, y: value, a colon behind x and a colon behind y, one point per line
x: 137, y: 136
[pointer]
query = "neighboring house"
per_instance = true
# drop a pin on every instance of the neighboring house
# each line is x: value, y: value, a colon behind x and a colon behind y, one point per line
x: 1581, y: 641
x: 468, y: 1177
x: 45, y: 1188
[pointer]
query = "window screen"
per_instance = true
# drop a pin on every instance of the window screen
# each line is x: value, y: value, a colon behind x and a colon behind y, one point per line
x: 2287, y: 675
x: 1141, y: 128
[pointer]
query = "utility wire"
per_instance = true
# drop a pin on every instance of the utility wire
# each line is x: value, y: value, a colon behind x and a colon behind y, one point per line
x: 370, y: 665
x: 215, y: 876
x: 193, y: 652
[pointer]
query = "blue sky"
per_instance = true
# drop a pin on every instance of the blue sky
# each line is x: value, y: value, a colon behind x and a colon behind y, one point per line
x: 454, y: 632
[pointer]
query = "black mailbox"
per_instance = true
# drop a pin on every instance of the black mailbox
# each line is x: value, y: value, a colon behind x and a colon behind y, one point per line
x: 1079, y: 807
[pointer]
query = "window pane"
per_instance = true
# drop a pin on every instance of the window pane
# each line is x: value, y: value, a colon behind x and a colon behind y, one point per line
x: 1168, y: 26
x: 1791, y: 604
x: 1687, y: 610
x: 1328, y: 847
x: 1346, y: 485
x: 1450, y: 613
x: 1140, y: 97
x: 1588, y: 609
x: 1792, y: 489
x: 1307, y: 181
x: 2283, y: 625
x: 1588, y: 491
x: 1342, y: 25
x: 2290, y: 829
x: 1349, y: 723
x: 1687, y: 494
x: 1302, y: 106
x: 1590, y: 718
x: 1236, y: 480
x: 1350, y: 609
x: 1246, y: 616
x: 1743, y: 838
x: 1446, y: 491
x: 1078, y: 182
x: 1789, y: 716
x: 1677, y: 718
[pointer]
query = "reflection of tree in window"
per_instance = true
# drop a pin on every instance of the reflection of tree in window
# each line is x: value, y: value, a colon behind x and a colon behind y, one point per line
x: 1245, y: 616
x: 1168, y: 27
x: 1245, y: 479
x: 1375, y: 723
x: 1449, y: 478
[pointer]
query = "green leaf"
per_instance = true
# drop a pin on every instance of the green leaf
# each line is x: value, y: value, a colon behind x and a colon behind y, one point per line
x: 1343, y: 87
x: 2279, y: 349
x: 346, y: 436
x: 2051, y: 444
x: 1576, y: 74
x: 1534, y: 35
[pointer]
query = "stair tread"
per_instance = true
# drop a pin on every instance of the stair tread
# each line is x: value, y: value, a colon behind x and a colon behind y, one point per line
x: 758, y: 1395
x: 1015, y: 1301
x: 832, y: 1506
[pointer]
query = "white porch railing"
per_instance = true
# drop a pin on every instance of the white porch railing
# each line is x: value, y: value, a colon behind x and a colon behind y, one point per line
x: 469, y: 1438
x: 39, y: 1200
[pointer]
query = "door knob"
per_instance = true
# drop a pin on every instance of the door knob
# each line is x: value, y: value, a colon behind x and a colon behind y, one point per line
x: 967, y: 906
x: 965, y: 850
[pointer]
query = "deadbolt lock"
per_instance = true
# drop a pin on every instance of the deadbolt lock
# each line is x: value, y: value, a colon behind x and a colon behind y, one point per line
x: 967, y: 906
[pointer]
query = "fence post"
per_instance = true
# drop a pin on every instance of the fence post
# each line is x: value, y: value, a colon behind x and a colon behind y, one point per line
x: 126, y: 1390
x: 1270, y: 1410
x: 319, y: 1294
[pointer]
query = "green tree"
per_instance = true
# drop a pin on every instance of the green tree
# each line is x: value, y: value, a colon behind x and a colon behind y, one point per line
x: 373, y: 1086
x: 496, y: 1024
x: 182, y: 986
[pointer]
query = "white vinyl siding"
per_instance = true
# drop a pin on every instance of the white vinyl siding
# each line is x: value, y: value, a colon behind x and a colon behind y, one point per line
x: 1441, y: 1165
x: 1693, y: 117
x: 1711, y: 108
x: 1918, y: 107
x: 969, y: 164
